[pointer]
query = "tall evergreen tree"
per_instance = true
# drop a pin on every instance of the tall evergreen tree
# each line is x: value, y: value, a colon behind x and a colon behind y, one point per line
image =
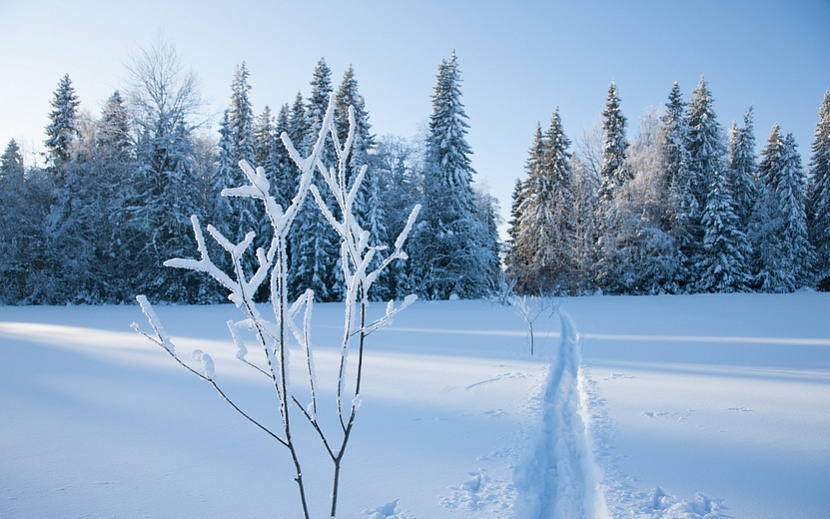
x: 613, y: 170
x: 314, y: 250
x: 541, y: 257
x: 743, y: 169
x: 718, y: 222
x: 683, y: 211
x: 62, y: 129
x: 451, y: 248
x: 519, y: 259
x: 281, y: 169
x: 783, y: 252
x: 241, y: 117
x: 349, y: 96
x: 707, y: 152
x: 25, y: 201
x: 236, y: 143
x: 723, y: 261
x: 263, y: 135
x: 819, y: 195
x: 113, y: 132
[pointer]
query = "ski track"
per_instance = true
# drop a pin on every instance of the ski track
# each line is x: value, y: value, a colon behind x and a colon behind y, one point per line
x: 561, y: 479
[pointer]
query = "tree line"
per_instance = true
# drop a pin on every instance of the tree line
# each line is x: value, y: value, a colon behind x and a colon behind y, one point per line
x: 114, y: 199
x: 683, y: 208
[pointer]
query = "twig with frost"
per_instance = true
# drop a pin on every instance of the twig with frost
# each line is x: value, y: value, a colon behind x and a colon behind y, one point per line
x: 272, y: 336
x: 529, y: 308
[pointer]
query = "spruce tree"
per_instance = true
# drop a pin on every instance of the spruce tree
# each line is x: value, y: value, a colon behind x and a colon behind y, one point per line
x: 614, y: 172
x: 707, y: 151
x: 62, y: 130
x: 349, y: 96
x: 819, y: 195
x: 241, y: 118
x: 280, y: 168
x: 683, y: 212
x: 707, y: 167
x: 743, y: 170
x: 263, y: 135
x: 792, y: 188
x: 451, y: 245
x: 541, y: 259
x: 113, y: 133
x: 783, y: 258
x: 723, y: 261
x: 519, y: 259
x: 314, y: 252
x: 25, y: 201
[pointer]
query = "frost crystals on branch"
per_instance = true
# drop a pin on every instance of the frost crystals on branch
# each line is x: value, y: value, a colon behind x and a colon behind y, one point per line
x: 273, y: 335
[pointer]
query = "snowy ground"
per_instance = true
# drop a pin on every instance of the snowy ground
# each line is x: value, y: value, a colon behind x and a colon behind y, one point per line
x: 674, y: 407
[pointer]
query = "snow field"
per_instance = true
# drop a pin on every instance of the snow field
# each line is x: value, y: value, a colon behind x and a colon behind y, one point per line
x: 654, y: 407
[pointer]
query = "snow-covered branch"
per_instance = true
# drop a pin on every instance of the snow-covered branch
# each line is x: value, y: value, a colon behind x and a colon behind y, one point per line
x: 360, y: 266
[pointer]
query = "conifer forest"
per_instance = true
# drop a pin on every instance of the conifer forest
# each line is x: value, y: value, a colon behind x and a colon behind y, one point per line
x: 685, y: 206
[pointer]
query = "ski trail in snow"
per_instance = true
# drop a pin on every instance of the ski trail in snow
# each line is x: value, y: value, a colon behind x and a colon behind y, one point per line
x: 561, y: 480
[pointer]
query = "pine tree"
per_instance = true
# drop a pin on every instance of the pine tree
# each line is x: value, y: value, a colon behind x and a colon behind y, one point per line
x: 819, y: 195
x: 723, y: 260
x: 613, y: 171
x: 718, y: 219
x: 792, y: 188
x: 783, y: 258
x: 241, y: 118
x: 113, y: 134
x: 279, y: 166
x: 348, y: 96
x: 541, y: 257
x: 237, y: 143
x: 314, y: 251
x: 11, y: 164
x: 264, y: 135
x: 451, y: 248
x: 743, y: 169
x: 519, y: 259
x: 25, y: 200
x: 683, y: 211
x: 62, y: 130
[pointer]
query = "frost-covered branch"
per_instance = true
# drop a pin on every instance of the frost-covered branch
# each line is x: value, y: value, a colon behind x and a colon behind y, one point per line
x: 529, y: 308
x: 362, y: 263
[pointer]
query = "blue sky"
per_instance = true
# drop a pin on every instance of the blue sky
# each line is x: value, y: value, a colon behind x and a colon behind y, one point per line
x: 519, y: 60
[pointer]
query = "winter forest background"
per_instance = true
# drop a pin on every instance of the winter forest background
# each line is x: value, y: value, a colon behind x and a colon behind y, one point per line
x: 685, y: 207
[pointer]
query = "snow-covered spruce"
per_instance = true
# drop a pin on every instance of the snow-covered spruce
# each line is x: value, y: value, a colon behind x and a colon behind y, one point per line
x: 362, y: 263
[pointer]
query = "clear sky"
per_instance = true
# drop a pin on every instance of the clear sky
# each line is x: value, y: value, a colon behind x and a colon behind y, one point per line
x: 519, y: 60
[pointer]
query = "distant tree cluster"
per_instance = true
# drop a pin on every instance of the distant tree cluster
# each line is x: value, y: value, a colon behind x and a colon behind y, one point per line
x: 683, y: 208
x: 115, y: 197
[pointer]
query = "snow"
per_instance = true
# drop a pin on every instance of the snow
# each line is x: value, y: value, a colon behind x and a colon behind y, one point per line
x: 686, y: 407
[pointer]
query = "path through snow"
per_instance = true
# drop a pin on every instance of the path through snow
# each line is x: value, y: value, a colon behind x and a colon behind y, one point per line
x: 561, y: 479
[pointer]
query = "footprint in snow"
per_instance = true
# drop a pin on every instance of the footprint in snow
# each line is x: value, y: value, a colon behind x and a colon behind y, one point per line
x: 388, y: 511
x: 654, y: 414
x: 617, y: 376
x: 494, y: 412
x: 480, y: 493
